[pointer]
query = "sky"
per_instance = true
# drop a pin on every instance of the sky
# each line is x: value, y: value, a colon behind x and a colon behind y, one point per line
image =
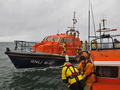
x: 32, y: 20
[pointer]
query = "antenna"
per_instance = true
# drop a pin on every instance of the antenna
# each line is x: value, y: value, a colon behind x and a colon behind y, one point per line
x: 100, y: 38
x: 58, y: 25
x: 103, y: 23
x: 74, y: 20
x: 106, y: 19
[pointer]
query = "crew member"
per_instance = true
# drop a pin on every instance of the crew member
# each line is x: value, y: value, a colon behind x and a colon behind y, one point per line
x: 77, y: 49
x: 116, y: 41
x: 78, y: 58
x: 64, y: 48
x: 81, y: 44
x: 71, y: 75
x: 74, y: 34
x: 94, y: 41
x: 86, y: 44
x: 81, y: 53
x: 95, y: 45
x: 87, y: 70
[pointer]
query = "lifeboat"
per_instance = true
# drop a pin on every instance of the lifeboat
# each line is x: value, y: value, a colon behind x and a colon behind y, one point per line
x: 105, y: 56
x: 46, y: 53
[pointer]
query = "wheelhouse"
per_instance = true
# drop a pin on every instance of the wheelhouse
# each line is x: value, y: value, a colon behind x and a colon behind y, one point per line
x: 106, y: 60
x: 106, y: 42
x: 54, y: 43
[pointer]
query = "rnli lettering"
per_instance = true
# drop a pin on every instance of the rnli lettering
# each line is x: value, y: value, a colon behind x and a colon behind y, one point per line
x: 42, y: 62
x: 35, y: 61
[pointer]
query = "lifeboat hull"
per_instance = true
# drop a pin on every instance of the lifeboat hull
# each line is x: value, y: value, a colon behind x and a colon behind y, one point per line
x: 30, y: 60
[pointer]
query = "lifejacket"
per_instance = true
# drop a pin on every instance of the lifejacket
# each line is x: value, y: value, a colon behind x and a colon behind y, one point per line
x: 70, y: 74
x: 88, y: 61
x: 86, y: 43
x: 64, y: 46
x: 73, y: 75
x: 77, y: 49
x: 84, y: 69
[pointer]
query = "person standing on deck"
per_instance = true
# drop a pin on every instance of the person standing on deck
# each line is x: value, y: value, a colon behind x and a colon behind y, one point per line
x: 81, y: 44
x: 87, y: 70
x: 71, y: 75
x: 77, y: 49
x: 64, y: 48
x: 86, y: 45
x: 116, y: 41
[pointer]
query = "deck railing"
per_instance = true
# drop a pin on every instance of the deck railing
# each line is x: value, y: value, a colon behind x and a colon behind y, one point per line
x: 102, y: 46
x: 24, y: 46
x: 31, y: 47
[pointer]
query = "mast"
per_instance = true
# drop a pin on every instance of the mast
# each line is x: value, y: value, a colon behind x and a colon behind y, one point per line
x: 74, y: 20
x: 93, y: 20
x: 89, y: 27
x: 100, y: 38
x: 103, y: 23
x: 74, y: 27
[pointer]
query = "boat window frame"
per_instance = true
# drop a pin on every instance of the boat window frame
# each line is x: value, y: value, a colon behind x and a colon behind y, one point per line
x: 55, y: 40
x: 61, y: 40
x: 68, y: 40
x: 71, y: 40
x: 44, y: 38
x: 49, y: 37
x: 65, y: 39
x: 118, y: 72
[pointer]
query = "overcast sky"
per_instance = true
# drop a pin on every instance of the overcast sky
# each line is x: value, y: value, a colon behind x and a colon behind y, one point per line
x: 32, y: 20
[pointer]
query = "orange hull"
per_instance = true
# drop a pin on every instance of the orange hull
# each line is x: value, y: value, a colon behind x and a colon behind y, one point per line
x: 107, y: 55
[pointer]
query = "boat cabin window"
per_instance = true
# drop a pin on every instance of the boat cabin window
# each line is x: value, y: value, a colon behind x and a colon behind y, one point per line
x: 49, y: 38
x: 44, y: 38
x: 107, y: 71
x: 68, y: 39
x: 55, y: 39
x: 71, y: 39
x: 61, y: 41
x: 65, y: 39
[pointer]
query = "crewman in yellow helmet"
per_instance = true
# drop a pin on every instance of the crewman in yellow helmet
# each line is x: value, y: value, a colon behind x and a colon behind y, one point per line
x: 87, y: 70
x: 94, y: 41
x: 64, y: 48
x: 71, y: 75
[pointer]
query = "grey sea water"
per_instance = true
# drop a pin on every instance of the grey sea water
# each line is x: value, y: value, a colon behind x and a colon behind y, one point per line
x: 44, y: 78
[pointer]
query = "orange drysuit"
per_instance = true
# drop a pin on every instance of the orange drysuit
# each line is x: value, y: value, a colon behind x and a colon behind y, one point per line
x: 87, y: 71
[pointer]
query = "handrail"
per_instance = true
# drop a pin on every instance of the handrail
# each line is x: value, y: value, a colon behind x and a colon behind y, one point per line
x: 110, y: 45
x: 32, y: 47
x: 23, y: 45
